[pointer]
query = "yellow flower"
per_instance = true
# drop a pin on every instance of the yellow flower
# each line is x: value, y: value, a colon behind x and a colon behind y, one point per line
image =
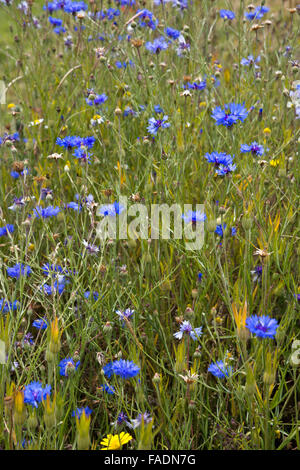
x: 267, y: 130
x: 115, y: 442
x: 11, y: 105
x: 274, y: 162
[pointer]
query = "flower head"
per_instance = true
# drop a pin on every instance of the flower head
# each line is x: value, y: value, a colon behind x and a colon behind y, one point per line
x: 231, y: 114
x: 4, y: 231
x: 18, y: 270
x: 159, y: 44
x: 67, y: 365
x: 45, y: 213
x: 187, y: 328
x: 125, y: 369
x: 227, y: 14
x: 115, y: 442
x: 145, y: 417
x: 219, y: 369
x: 250, y: 61
x: 263, y: 327
x: 34, y: 393
x: 194, y: 216
x: 156, y: 124
x: 78, y: 412
x: 254, y: 148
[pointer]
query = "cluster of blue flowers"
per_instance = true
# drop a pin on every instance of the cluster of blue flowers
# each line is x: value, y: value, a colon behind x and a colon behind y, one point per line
x: 257, y: 13
x: 121, y: 368
x: 231, y: 114
x: 223, y: 163
x: 68, y: 6
x: 35, y: 393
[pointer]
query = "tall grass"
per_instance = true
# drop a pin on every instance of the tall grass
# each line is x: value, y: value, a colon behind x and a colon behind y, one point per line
x: 257, y: 405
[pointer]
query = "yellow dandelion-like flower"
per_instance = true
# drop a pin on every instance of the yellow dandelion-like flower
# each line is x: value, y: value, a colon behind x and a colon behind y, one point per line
x: 11, y: 105
x: 274, y: 162
x: 116, y: 441
x: 267, y: 130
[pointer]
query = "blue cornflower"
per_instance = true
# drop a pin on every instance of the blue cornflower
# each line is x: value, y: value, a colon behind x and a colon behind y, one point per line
x: 146, y: 417
x: 34, y: 393
x: 181, y: 4
x: 182, y: 46
x: 155, y: 124
x: 223, y: 170
x: 159, y: 44
x: 67, y: 366
x: 125, y: 314
x: 123, y: 65
x: 74, y: 7
x: 108, y: 370
x: 129, y: 112
x: 219, y: 369
x: 6, y: 306
x: 257, y: 14
x: 199, y: 277
x: 232, y: 113
x: 18, y: 270
x: 121, y: 418
x: 194, y: 216
x: 82, y: 155
x: 75, y: 206
x: 158, y: 109
x: 125, y: 369
x: 263, y: 327
x: 233, y: 231
x: 251, y: 61
x: 46, y: 193
x: 45, y: 212
x: 196, y: 85
x: 78, y: 412
x: 70, y: 141
x: 108, y: 389
x: 219, y: 158
x: 254, y: 148
x: 40, y: 324
x: 227, y: 14
x: 9, y: 138
x: 124, y: 3
x: 55, y: 21
x: 257, y: 273
x: 18, y: 203
x: 59, y: 30
x: 57, y: 287
x: 27, y: 339
x: 111, y: 209
x: 220, y: 230
x: 172, y: 33
x: 4, y: 231
x: 97, y: 101
x: 88, y: 293
x: 147, y: 19
x: 186, y: 327
x: 54, y: 269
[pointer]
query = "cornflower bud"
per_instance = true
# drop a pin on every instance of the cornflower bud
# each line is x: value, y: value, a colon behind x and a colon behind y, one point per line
x: 83, y: 431
x: 19, y: 408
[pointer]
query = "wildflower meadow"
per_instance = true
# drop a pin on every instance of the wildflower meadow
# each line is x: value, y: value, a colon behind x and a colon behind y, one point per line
x: 149, y: 225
